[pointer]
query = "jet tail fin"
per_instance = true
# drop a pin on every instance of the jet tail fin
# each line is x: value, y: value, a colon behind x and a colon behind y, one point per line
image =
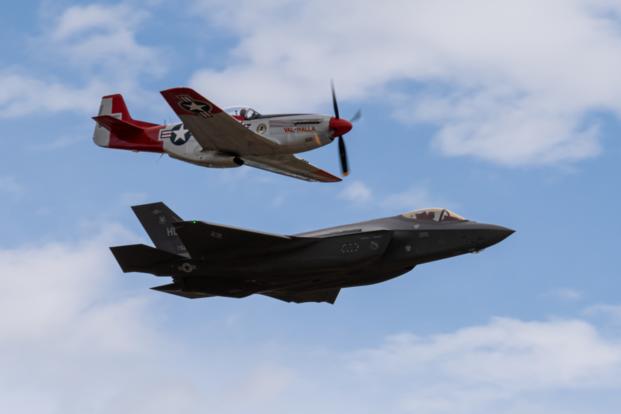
x: 141, y: 258
x: 159, y: 222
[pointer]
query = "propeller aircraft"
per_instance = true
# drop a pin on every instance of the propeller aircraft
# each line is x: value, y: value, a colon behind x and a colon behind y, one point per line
x: 211, y: 137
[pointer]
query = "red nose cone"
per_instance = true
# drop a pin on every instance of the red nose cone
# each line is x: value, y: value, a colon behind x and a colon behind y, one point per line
x: 339, y: 126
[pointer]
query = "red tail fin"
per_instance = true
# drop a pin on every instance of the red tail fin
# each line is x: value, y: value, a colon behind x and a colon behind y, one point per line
x: 117, y: 129
x: 116, y: 103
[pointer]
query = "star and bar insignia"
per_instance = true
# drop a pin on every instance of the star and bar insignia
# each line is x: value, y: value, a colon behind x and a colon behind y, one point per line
x: 178, y: 134
x: 196, y: 107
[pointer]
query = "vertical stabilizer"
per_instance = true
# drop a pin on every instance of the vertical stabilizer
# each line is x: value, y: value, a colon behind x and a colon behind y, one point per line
x: 158, y: 221
x: 112, y: 105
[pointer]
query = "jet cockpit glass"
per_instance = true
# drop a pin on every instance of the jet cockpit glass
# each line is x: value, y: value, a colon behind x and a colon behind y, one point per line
x: 434, y: 214
x: 244, y: 113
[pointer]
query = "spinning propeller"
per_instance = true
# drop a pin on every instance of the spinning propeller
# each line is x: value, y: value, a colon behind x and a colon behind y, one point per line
x: 340, y: 128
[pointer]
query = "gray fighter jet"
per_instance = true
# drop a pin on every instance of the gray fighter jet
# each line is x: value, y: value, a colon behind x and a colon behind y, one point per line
x: 206, y: 259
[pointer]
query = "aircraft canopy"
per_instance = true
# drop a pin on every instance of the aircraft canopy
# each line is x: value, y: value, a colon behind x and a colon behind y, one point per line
x: 244, y: 112
x: 434, y: 214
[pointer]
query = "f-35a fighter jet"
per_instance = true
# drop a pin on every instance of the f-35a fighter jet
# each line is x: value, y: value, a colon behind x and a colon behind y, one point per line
x: 206, y: 259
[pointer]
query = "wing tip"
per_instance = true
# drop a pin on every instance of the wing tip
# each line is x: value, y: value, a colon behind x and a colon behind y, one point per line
x: 176, y: 89
x: 329, y: 178
x: 182, y: 97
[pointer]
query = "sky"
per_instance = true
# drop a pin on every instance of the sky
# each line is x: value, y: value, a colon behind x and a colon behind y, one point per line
x: 506, y: 112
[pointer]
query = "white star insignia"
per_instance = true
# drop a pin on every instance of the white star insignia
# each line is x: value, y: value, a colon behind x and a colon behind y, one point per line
x: 179, y: 135
x: 196, y: 107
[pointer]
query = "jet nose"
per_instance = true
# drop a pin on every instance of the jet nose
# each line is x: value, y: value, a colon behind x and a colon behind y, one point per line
x: 491, y: 234
x: 339, y: 126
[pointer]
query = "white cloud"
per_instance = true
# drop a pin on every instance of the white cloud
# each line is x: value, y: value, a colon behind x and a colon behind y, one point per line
x: 63, y: 327
x: 510, y: 82
x: 24, y: 95
x: 505, y: 353
x: 98, y: 40
x: 356, y: 192
x: 63, y: 281
x: 104, y: 36
x: 612, y: 312
x: 491, y: 367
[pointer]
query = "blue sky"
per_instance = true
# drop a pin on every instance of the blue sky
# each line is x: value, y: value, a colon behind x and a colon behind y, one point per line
x: 506, y: 113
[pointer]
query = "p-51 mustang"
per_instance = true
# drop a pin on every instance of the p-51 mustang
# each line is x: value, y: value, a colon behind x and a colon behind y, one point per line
x: 206, y: 259
x: 211, y: 137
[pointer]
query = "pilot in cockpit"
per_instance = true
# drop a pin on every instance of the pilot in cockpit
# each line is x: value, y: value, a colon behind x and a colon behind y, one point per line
x: 434, y: 214
x: 243, y: 113
x: 248, y: 113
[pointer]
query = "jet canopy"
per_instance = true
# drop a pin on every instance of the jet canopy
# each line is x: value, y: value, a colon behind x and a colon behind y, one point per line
x: 243, y: 112
x: 434, y: 214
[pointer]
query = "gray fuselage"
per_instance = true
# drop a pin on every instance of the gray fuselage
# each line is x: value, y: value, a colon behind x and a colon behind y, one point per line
x: 345, y: 256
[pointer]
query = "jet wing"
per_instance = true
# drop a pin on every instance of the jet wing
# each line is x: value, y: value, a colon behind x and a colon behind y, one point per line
x: 207, y: 239
x: 175, y: 289
x: 291, y: 166
x: 214, y: 129
x: 325, y: 295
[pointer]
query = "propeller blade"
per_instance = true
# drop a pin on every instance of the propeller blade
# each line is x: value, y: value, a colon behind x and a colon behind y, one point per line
x: 343, y: 157
x: 334, y: 103
x: 356, y: 116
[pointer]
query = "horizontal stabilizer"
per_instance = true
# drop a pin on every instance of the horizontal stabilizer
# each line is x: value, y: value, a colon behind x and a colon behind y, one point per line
x: 140, y: 258
x: 202, y: 239
x: 121, y: 129
x: 325, y: 295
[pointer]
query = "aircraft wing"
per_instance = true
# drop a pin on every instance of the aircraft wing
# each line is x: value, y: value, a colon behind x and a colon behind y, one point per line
x: 213, y: 128
x: 231, y: 292
x: 290, y: 165
x: 207, y: 239
x: 175, y: 289
x: 325, y: 295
